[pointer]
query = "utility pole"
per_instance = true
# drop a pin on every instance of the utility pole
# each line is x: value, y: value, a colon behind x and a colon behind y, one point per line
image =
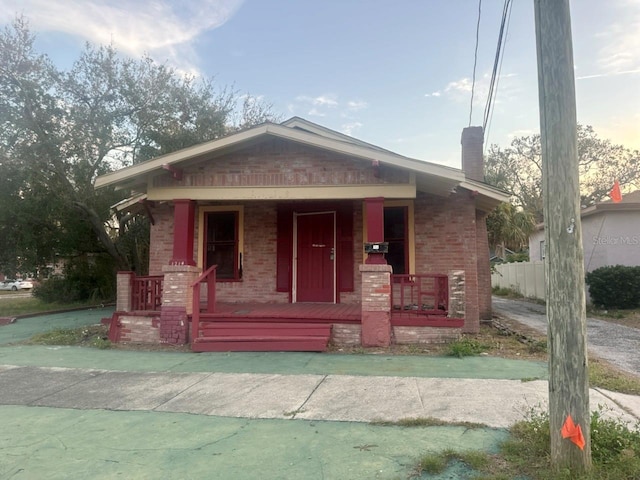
x: 569, y: 414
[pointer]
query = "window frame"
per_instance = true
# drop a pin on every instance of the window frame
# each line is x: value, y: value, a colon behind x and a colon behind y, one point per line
x: 238, y: 210
x: 410, y: 246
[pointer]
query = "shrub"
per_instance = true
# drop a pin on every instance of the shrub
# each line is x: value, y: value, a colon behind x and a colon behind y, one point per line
x: 615, y: 286
x: 466, y: 347
x: 517, y: 257
x: 82, y: 280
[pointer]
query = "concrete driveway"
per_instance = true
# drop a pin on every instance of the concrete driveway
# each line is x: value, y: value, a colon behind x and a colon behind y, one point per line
x: 617, y: 344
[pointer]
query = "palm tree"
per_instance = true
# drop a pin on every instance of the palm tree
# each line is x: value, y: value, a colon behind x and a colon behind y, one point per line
x: 509, y: 227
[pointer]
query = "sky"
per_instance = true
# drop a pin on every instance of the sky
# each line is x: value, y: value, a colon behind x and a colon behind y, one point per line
x: 397, y: 74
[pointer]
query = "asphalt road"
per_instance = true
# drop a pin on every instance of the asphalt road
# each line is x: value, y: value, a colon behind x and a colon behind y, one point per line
x: 615, y: 343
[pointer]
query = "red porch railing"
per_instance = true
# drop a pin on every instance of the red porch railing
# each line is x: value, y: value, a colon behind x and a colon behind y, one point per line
x: 146, y: 292
x: 208, y: 277
x: 424, y: 294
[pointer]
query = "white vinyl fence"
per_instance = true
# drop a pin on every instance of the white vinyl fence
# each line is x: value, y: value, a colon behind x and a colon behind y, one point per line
x: 524, y: 277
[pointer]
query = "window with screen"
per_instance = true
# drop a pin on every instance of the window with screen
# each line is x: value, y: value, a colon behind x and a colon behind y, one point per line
x: 396, y: 233
x: 221, y: 245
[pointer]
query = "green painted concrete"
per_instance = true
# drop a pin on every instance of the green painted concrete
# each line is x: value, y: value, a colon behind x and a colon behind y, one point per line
x: 25, y: 328
x: 272, y: 362
x: 80, y: 444
x: 240, y: 362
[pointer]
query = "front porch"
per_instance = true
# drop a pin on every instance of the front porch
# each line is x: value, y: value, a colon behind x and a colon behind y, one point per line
x: 417, y: 309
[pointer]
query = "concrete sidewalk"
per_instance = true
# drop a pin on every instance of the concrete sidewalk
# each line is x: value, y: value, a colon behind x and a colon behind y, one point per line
x: 495, y: 403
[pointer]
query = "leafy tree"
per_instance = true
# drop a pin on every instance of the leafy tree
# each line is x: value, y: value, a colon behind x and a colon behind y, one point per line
x: 60, y: 129
x: 517, y: 169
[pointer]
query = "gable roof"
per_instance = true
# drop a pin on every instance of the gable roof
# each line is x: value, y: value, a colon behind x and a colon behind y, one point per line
x: 431, y: 177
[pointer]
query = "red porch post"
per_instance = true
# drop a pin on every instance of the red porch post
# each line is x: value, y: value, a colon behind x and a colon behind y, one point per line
x: 183, y: 232
x: 375, y: 228
x: 178, y: 276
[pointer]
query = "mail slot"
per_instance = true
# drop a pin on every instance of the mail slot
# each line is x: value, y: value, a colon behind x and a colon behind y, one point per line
x: 376, y: 247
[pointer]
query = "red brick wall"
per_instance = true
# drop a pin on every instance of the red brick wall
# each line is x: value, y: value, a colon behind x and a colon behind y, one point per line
x: 484, y: 267
x: 161, y: 239
x: 446, y: 240
x: 276, y: 162
x: 259, y: 259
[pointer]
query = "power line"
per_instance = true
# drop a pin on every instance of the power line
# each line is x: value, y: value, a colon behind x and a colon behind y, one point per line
x: 475, y: 60
x: 497, y: 63
x: 504, y: 47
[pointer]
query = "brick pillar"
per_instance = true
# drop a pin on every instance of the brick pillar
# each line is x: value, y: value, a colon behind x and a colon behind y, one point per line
x: 376, y: 305
x: 456, y: 294
x: 124, y: 289
x: 177, y: 303
x: 472, y: 158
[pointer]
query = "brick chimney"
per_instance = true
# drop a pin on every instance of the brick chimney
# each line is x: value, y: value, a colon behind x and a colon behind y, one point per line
x: 472, y: 158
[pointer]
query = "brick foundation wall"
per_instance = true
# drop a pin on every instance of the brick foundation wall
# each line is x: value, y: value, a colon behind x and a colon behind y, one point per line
x: 345, y: 334
x: 174, y: 326
x: 418, y: 335
x: 139, y: 329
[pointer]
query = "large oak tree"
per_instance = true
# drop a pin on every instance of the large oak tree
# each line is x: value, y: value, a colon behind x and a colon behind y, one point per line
x: 60, y: 129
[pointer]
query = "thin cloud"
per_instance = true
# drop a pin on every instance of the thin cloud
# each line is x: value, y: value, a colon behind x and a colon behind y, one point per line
x: 160, y: 28
x: 621, y: 50
x: 349, y: 128
x: 612, y: 74
x: 326, y: 100
x: 460, y: 90
x: 355, y: 105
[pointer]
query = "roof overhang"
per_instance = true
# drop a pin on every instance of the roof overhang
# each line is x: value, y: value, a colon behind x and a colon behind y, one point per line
x: 487, y: 196
x: 429, y: 177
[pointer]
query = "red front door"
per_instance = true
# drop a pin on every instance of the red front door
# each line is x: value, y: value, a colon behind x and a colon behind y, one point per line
x: 315, y: 253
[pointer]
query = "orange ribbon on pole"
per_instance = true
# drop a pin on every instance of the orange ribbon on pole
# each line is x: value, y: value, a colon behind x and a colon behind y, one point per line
x: 573, y: 432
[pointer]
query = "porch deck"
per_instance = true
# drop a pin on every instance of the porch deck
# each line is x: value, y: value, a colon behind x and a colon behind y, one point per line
x: 318, y: 313
x: 284, y: 312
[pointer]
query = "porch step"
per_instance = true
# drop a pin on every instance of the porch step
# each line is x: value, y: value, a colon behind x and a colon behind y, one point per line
x: 261, y: 337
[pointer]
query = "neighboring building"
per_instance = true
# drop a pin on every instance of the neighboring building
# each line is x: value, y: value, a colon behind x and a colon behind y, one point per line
x: 610, y: 234
x: 286, y: 212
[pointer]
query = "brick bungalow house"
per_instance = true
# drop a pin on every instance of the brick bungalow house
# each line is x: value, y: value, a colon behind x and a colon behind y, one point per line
x: 283, y: 236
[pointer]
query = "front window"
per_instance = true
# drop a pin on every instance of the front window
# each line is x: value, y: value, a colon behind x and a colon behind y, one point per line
x: 222, y: 245
x: 396, y: 234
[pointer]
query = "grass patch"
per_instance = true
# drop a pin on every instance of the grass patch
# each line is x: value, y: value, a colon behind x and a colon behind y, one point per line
x: 21, y: 306
x: 526, y: 454
x: 90, y: 336
x: 437, y: 463
x: 627, y: 318
x: 425, y: 422
x: 602, y: 375
x: 506, y: 292
x: 466, y: 347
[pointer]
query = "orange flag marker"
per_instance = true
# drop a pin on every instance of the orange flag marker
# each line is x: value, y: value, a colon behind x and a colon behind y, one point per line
x: 615, y: 194
x: 573, y: 432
